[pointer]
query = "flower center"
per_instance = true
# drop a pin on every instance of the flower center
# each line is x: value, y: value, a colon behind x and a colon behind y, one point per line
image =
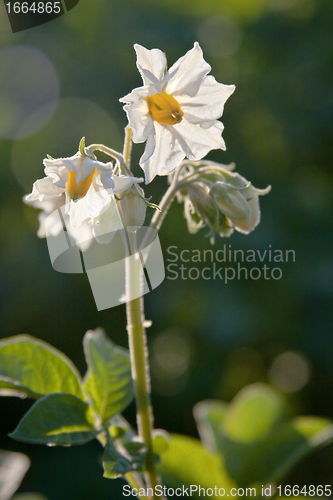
x: 164, y: 108
x: 79, y: 190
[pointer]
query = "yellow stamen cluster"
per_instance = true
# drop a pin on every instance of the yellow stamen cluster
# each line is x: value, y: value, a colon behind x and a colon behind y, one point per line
x: 79, y: 190
x: 164, y: 108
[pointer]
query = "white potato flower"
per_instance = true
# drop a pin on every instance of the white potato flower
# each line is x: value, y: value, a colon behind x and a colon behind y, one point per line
x: 175, y: 111
x: 85, y: 188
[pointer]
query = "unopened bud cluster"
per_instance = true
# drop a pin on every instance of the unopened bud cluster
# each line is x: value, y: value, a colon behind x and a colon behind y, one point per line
x: 215, y: 196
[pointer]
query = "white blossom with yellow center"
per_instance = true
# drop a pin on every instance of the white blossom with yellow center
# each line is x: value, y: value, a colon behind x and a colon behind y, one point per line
x: 86, y: 188
x: 175, y: 111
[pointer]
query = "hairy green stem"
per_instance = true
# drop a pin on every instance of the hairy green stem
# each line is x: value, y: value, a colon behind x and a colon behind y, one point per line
x: 127, y: 146
x: 138, y: 344
x: 140, y: 366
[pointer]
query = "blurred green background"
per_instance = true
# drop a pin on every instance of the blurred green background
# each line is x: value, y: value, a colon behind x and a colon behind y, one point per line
x: 208, y: 339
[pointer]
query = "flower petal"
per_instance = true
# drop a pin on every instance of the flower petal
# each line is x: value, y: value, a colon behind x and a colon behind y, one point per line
x: 186, y: 75
x: 138, y: 113
x: 82, y: 165
x: 247, y: 225
x: 197, y: 141
x: 107, y: 180
x: 105, y: 226
x: 49, y: 224
x: 208, y: 103
x: 162, y: 154
x: 58, y: 174
x: 92, y: 205
x: 43, y: 190
x: 124, y: 182
x: 150, y: 63
x: 82, y: 234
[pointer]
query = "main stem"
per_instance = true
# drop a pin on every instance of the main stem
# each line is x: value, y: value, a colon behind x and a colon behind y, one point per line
x: 138, y: 349
x: 140, y: 368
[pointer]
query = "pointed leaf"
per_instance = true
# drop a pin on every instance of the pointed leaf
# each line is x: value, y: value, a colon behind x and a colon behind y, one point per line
x: 187, y: 463
x: 209, y: 416
x: 57, y: 419
x: 13, y: 467
x: 252, y: 413
x: 256, y: 453
x: 108, y: 380
x: 32, y: 368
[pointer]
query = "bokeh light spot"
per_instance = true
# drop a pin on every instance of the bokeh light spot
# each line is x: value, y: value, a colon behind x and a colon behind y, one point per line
x: 171, y: 355
x: 290, y: 371
x: 28, y: 83
x: 73, y: 119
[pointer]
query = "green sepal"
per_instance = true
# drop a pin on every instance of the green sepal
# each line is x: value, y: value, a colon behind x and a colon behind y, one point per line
x: 32, y: 368
x: 82, y: 146
x: 57, y: 419
x: 85, y: 151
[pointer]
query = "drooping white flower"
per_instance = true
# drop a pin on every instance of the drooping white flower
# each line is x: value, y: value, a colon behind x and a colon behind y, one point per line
x: 85, y: 188
x: 175, y: 111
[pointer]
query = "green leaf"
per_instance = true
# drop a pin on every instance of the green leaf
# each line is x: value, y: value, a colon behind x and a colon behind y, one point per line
x: 124, y: 451
x: 120, y: 457
x: 209, y: 416
x: 108, y: 380
x: 254, y: 437
x: 161, y: 441
x: 187, y: 463
x: 13, y: 467
x: 252, y: 413
x: 32, y: 368
x: 57, y: 419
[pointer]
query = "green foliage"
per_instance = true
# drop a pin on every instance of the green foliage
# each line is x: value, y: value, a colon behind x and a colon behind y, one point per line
x: 187, y: 463
x: 118, y: 460
x: 61, y: 419
x: 248, y: 442
x: 253, y: 435
x: 161, y: 441
x: 108, y: 381
x: 123, y: 452
x: 13, y: 467
x: 32, y: 368
x: 62, y: 415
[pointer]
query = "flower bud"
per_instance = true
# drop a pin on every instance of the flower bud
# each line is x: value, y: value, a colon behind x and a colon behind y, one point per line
x: 132, y: 209
x: 200, y: 210
x: 202, y: 203
x: 215, y: 195
x: 231, y: 202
